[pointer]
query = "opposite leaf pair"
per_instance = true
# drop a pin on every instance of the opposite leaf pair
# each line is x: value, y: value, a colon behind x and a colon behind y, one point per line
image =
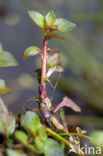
x: 50, y: 22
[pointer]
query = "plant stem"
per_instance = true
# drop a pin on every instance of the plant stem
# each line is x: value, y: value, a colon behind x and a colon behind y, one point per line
x: 58, y: 137
x: 43, y: 73
x: 75, y: 134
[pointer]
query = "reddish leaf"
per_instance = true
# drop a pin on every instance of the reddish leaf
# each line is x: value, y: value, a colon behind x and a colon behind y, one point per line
x: 53, y: 35
x: 69, y: 103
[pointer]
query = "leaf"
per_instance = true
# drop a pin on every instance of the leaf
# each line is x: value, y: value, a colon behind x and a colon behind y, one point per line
x: 52, y: 148
x: 63, y: 25
x: 39, y: 144
x: 37, y: 18
x: 53, y: 35
x: 69, y: 103
x: 56, y: 68
x: 11, y: 152
x: 31, y: 51
x: 3, y: 107
x: 42, y: 133
x: 31, y: 122
x: 3, y: 89
x: 6, y: 59
x: 8, y: 122
x: 53, y: 59
x: 97, y: 138
x: 21, y: 137
x: 50, y: 18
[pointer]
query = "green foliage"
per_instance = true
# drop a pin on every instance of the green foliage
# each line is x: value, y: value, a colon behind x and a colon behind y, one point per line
x: 10, y: 124
x: 50, y: 19
x: 29, y: 132
x: 39, y: 144
x: 11, y: 152
x: 52, y: 148
x: 37, y: 18
x: 3, y: 89
x: 31, y: 51
x: 53, y: 59
x: 7, y: 123
x: 6, y: 59
x: 63, y: 25
x: 50, y: 22
x: 49, y: 147
x: 22, y: 137
x: 31, y: 122
x: 97, y: 138
x: 7, y: 120
x: 42, y: 133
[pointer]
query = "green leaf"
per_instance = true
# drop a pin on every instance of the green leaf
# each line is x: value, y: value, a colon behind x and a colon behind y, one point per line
x: 42, y: 133
x: 53, y: 59
x: 6, y: 59
x: 97, y: 138
x: 7, y: 123
x: 22, y: 137
x: 33, y: 148
x: 31, y: 122
x: 11, y: 152
x: 64, y: 25
x: 50, y: 18
x: 56, y: 68
x: 39, y: 144
x: 10, y: 124
x: 31, y: 51
x: 3, y: 89
x: 37, y: 18
x: 52, y: 148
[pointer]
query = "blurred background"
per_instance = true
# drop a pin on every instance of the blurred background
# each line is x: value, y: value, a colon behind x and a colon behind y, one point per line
x: 81, y: 54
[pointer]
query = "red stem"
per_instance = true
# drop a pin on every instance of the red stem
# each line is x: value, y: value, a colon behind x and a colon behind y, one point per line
x: 44, y: 63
